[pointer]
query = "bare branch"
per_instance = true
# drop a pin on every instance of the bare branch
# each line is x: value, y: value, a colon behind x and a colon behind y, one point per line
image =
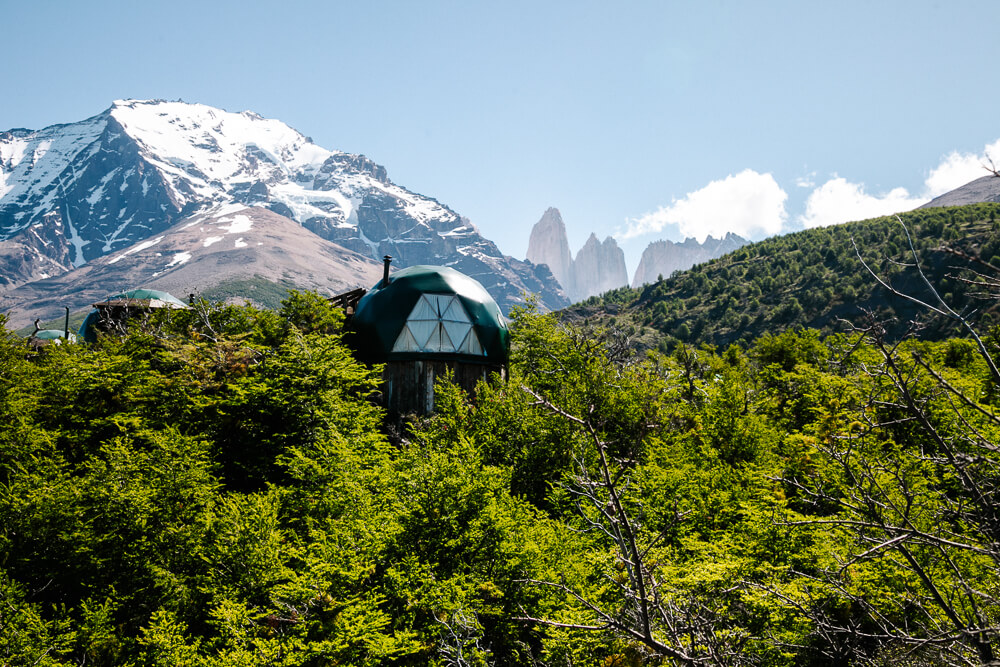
x: 992, y: 168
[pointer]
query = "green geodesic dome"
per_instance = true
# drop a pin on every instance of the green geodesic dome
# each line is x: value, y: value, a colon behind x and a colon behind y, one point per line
x: 46, y: 337
x: 53, y: 334
x: 430, y: 312
x: 149, y: 298
x: 137, y: 298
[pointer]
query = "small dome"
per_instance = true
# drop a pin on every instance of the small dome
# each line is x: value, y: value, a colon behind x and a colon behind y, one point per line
x: 145, y: 298
x: 50, y: 336
x: 137, y: 299
x: 430, y: 311
x: 53, y: 334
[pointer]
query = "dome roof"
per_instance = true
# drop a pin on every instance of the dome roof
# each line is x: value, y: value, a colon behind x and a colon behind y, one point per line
x: 430, y: 311
x: 145, y: 298
x: 137, y: 298
x: 53, y: 335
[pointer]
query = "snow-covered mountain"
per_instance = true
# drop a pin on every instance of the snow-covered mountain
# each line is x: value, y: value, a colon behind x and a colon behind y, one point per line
x: 70, y: 194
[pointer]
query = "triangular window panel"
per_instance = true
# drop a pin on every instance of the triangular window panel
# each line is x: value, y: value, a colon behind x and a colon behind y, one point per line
x: 445, y: 341
x: 405, y: 342
x: 460, y: 347
x: 471, y: 344
x: 455, y: 311
x: 423, y: 331
x: 457, y: 331
x: 440, y: 302
x: 433, y: 342
x: 424, y: 310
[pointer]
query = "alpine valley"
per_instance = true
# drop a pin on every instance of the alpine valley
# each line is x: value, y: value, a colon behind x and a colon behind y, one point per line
x: 188, y: 198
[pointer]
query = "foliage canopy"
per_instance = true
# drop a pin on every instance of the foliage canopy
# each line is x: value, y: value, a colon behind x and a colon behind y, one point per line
x: 218, y: 487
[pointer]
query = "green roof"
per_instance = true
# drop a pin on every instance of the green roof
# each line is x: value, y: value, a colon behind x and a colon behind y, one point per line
x: 429, y: 311
x: 139, y: 298
x: 150, y: 298
x: 52, y: 334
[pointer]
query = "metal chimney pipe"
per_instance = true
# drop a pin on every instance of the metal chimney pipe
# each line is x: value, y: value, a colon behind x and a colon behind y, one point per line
x: 66, y: 327
x: 385, y: 276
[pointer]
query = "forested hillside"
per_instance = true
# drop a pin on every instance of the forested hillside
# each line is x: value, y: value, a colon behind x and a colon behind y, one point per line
x: 815, y: 279
x: 219, y: 488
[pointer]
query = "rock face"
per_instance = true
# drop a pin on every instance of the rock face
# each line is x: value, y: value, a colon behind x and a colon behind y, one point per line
x: 40, y: 252
x: 548, y: 245
x: 70, y: 194
x: 598, y: 266
x: 662, y: 258
x: 982, y: 190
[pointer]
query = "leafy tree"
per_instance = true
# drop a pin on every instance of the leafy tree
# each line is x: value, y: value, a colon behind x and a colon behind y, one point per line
x: 218, y: 487
x: 914, y: 480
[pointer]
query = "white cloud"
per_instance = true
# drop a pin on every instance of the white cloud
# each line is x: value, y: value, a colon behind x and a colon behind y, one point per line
x: 957, y: 169
x: 748, y: 204
x: 753, y: 205
x: 839, y: 200
x: 807, y: 181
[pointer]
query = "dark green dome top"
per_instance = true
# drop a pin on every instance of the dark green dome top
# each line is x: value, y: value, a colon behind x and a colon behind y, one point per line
x: 149, y: 298
x: 137, y: 298
x: 430, y: 311
x: 52, y: 334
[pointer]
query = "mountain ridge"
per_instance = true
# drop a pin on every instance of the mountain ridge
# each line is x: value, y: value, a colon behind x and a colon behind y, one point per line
x: 663, y: 258
x: 72, y: 193
x: 983, y: 189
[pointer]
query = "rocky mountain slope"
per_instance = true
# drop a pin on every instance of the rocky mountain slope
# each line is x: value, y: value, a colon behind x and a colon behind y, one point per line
x: 70, y: 194
x: 662, y: 258
x: 981, y: 190
x: 230, y: 244
x: 597, y: 268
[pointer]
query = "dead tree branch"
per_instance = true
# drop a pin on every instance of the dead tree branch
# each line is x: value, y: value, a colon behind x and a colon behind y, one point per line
x: 672, y: 625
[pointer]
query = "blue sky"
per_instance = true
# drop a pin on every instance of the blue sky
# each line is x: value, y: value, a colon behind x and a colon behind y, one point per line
x: 642, y: 120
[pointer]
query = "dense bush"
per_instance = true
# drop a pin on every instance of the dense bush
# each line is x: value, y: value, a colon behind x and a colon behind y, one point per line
x: 217, y: 488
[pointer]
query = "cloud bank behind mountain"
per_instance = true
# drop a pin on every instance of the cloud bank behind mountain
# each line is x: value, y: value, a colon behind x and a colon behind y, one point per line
x: 754, y: 205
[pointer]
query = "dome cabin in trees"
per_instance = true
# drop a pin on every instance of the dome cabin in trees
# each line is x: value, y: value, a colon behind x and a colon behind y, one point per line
x: 113, y: 314
x: 41, y: 338
x: 424, y: 322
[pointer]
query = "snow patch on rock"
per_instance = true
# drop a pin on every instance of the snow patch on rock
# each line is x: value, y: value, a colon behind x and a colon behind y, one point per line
x: 138, y: 248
